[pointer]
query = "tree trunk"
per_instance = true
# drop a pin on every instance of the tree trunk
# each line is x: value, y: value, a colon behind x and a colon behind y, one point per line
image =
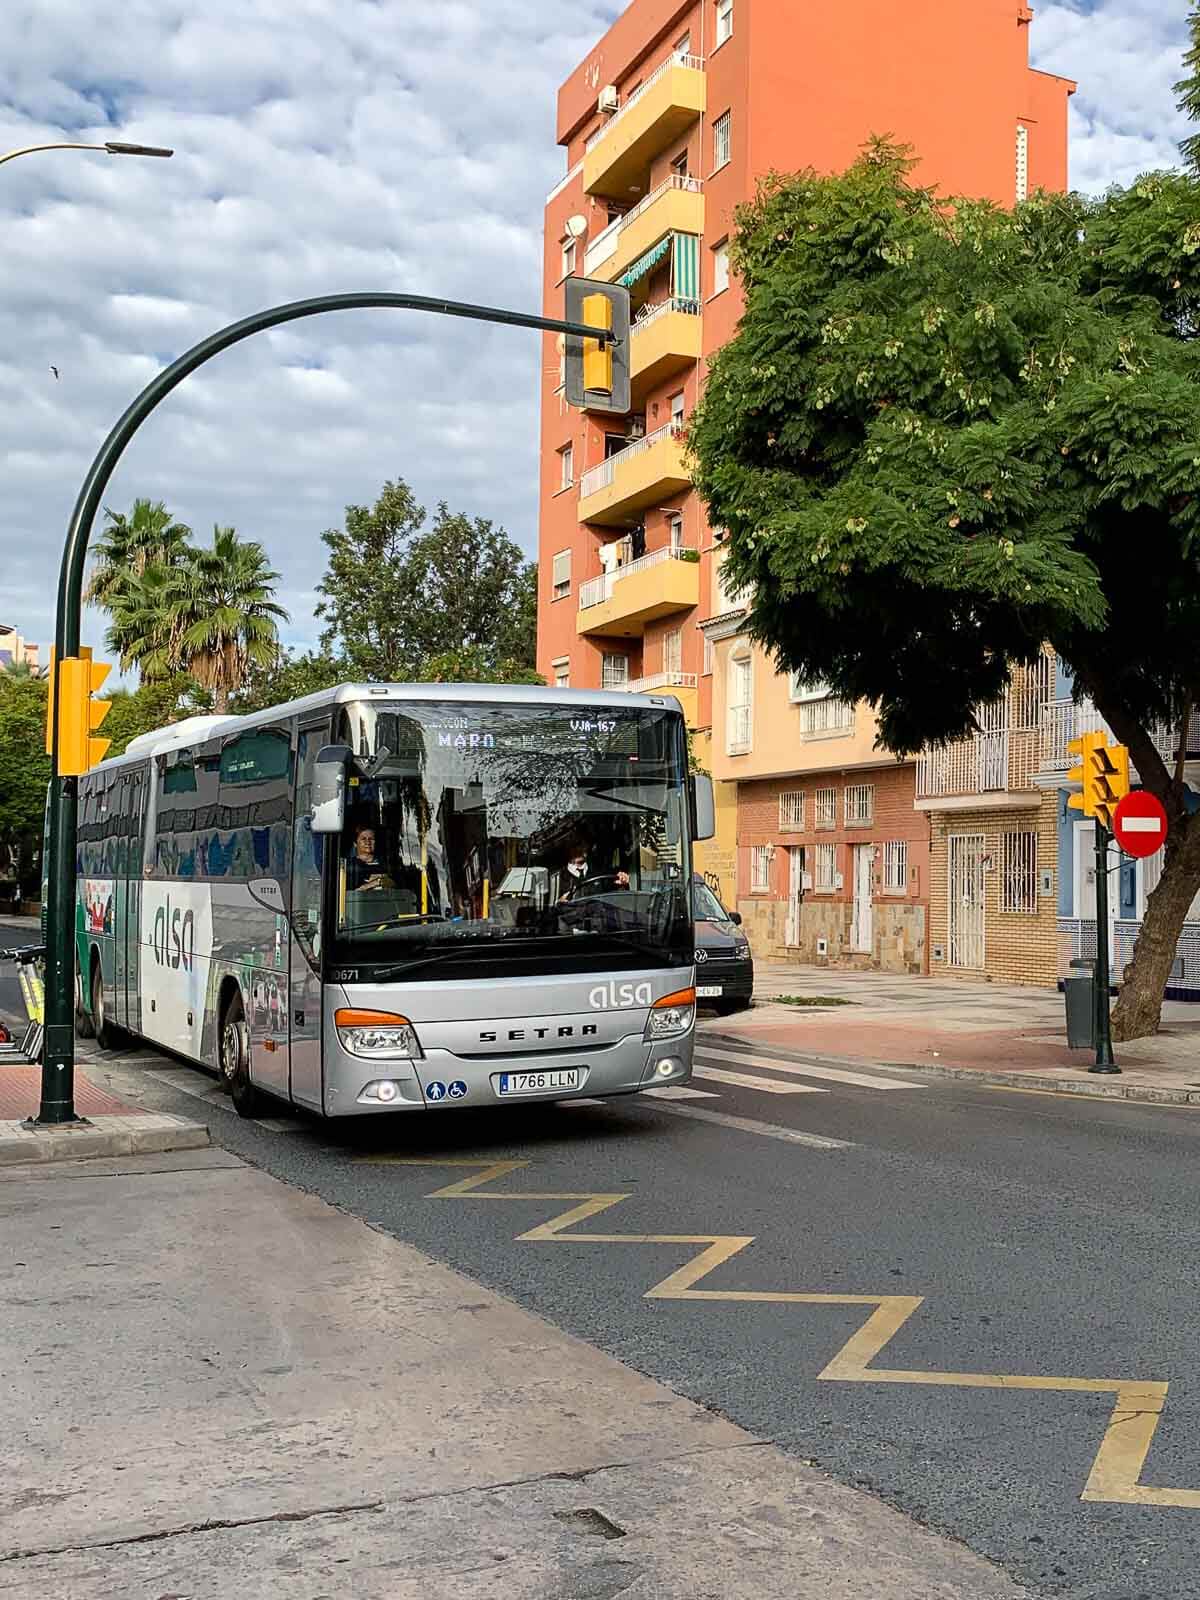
x: 1137, y: 1012
x: 221, y: 700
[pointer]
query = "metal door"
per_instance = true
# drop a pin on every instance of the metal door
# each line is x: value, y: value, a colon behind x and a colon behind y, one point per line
x: 992, y: 746
x: 862, y: 927
x: 795, y: 892
x: 304, y: 961
x: 129, y: 934
x: 966, y: 896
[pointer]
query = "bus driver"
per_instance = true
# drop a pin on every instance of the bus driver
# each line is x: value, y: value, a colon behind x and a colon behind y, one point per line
x: 364, y: 870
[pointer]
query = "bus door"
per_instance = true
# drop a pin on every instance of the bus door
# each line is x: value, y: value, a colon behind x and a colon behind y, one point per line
x: 129, y: 929
x: 304, y: 968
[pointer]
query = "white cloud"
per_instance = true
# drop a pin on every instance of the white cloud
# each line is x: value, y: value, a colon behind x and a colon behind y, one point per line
x: 323, y: 146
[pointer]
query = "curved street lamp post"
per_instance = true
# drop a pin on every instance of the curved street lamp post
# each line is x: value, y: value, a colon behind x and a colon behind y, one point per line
x: 58, y: 1059
x: 112, y: 147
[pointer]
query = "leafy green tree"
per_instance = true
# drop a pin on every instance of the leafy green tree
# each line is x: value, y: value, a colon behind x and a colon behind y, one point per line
x: 946, y: 433
x: 473, y: 665
x: 289, y: 676
x: 399, y: 595
x: 222, y: 614
x: 24, y: 765
x: 146, y: 708
x: 1188, y: 89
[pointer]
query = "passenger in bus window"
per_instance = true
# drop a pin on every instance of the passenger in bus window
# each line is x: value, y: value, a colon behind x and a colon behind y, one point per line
x: 364, y: 870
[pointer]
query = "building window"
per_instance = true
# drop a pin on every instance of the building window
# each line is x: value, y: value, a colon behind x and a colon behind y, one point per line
x: 722, y: 142
x: 760, y: 869
x: 740, y: 682
x: 825, y: 808
x: 724, y: 21
x: 675, y: 530
x: 727, y: 598
x: 1022, y: 162
x: 825, y: 867
x: 895, y: 866
x: 680, y: 165
x: 561, y: 578
x: 683, y: 47
x: 791, y: 811
x: 721, y: 267
x: 1018, y: 889
x: 566, y: 460
x: 820, y: 719
x: 560, y: 670
x: 677, y: 412
x: 568, y: 258
x: 707, y: 665
x: 672, y: 651
x: 860, y: 804
x: 614, y: 671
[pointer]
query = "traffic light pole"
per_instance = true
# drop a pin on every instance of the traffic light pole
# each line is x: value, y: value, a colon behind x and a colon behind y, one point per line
x: 58, y: 1058
x: 1103, y: 1028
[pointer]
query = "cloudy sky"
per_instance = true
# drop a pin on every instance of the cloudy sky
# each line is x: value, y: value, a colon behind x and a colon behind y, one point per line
x: 322, y: 146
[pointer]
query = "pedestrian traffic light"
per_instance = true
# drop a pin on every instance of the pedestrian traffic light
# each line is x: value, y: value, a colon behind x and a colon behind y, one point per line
x: 1102, y: 774
x: 78, y: 714
x: 596, y: 376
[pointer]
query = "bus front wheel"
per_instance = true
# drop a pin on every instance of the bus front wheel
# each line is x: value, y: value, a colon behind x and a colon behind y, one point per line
x: 106, y: 1034
x: 235, y: 1059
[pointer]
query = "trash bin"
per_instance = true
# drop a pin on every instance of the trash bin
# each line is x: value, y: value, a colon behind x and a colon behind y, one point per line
x: 1080, y: 990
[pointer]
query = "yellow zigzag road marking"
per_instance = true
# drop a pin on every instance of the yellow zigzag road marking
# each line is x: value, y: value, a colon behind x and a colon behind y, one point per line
x: 1136, y: 1408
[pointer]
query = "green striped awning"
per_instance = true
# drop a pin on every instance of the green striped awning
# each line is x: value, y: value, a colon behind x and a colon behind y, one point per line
x: 645, y: 264
x: 686, y: 269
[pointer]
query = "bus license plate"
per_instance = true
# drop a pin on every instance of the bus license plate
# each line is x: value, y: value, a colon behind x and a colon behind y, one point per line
x: 538, y: 1082
x: 708, y: 991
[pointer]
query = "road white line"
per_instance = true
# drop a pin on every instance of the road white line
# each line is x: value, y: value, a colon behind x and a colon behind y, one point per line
x: 198, y: 1084
x: 742, y: 1080
x: 765, y: 1130
x: 863, y: 1080
x: 679, y: 1091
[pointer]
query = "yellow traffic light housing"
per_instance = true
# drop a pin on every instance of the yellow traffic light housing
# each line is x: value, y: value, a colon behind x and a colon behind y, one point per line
x: 596, y: 371
x: 1102, y: 774
x: 78, y: 678
x: 598, y: 357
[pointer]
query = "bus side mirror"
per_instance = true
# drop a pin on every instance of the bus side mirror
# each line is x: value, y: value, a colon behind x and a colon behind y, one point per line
x: 704, y: 811
x: 329, y: 789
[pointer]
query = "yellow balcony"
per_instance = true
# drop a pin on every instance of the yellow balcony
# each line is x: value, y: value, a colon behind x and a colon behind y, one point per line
x: 663, y: 344
x: 681, y: 685
x: 676, y: 206
x: 654, y: 116
x: 621, y: 603
x: 613, y: 493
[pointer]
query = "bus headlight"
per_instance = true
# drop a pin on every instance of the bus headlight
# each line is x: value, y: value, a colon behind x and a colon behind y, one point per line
x: 672, y: 1015
x: 377, y: 1035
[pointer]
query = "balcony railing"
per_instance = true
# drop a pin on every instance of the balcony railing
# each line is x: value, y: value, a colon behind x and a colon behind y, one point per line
x: 1064, y: 720
x: 652, y: 314
x: 662, y: 680
x: 603, y: 475
x: 695, y: 62
x: 597, y: 590
x: 604, y: 246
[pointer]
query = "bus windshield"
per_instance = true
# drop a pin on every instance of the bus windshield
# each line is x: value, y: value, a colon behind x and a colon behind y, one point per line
x: 559, y: 835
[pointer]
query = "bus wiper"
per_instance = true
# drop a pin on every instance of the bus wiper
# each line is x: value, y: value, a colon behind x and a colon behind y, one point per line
x: 400, y: 922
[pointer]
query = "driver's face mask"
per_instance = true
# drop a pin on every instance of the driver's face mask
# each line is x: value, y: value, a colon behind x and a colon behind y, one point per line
x: 577, y: 868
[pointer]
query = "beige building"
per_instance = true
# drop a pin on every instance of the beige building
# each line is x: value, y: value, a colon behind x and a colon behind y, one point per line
x: 15, y: 651
x: 832, y: 860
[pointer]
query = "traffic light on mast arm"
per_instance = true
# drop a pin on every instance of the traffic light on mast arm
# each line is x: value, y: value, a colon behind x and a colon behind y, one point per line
x: 1102, y: 773
x: 596, y: 375
x: 74, y: 680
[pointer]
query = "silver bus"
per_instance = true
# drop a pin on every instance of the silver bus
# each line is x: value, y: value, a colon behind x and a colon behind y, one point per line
x: 394, y: 897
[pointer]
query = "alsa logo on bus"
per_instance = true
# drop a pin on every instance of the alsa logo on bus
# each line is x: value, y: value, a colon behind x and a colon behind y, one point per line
x: 618, y: 996
x: 174, y: 937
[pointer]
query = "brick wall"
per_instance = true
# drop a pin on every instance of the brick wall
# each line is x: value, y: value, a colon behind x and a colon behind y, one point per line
x: 823, y: 930
x: 1018, y: 947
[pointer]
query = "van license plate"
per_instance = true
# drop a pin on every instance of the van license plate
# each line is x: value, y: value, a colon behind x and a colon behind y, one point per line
x: 538, y: 1082
x: 708, y: 991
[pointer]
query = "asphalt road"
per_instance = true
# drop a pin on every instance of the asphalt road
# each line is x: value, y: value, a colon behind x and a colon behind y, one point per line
x: 1048, y: 1236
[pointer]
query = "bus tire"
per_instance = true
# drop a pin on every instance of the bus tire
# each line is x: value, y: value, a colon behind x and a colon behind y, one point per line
x: 235, y: 1058
x: 106, y: 1033
x: 83, y: 1017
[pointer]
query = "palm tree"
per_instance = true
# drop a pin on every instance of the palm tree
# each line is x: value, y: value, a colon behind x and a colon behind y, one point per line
x: 221, y: 614
x: 144, y: 622
x: 148, y: 536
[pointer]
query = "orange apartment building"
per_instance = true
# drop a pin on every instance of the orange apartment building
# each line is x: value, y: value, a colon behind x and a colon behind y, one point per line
x: 667, y: 125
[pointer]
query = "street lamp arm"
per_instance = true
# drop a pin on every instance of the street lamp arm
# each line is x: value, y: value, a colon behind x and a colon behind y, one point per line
x: 112, y: 147
x: 32, y: 149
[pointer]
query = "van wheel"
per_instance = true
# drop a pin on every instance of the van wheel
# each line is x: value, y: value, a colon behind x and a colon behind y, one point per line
x: 107, y: 1034
x: 234, y: 1059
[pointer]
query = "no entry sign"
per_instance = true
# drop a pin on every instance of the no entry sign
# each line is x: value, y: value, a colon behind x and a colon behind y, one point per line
x: 1140, y: 824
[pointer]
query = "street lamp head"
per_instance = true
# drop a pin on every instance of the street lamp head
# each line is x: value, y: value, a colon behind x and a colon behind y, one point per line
x: 116, y: 148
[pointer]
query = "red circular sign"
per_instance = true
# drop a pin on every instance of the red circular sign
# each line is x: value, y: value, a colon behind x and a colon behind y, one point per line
x: 1140, y: 824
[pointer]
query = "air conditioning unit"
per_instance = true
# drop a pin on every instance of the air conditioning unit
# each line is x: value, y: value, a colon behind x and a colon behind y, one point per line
x: 610, y: 99
x: 636, y: 430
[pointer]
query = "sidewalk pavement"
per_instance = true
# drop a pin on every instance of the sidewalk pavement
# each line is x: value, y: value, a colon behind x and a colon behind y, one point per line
x: 109, y: 1125
x: 220, y: 1387
x: 986, y: 1032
